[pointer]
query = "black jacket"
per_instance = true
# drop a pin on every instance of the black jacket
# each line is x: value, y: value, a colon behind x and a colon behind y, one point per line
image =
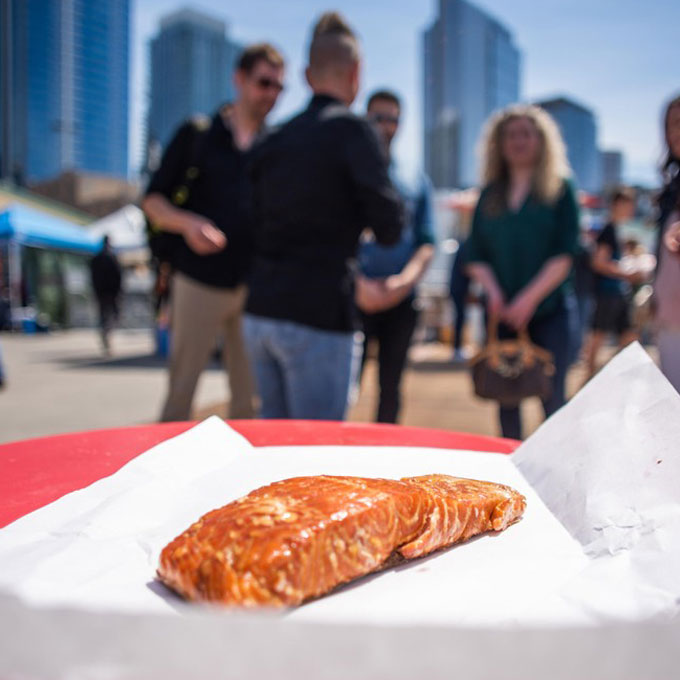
x: 106, y: 276
x: 318, y: 181
x: 219, y: 191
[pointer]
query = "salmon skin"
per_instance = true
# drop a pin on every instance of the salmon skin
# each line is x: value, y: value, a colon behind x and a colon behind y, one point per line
x: 299, y: 538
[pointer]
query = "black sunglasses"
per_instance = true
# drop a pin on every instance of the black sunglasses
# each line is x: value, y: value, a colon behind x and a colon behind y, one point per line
x: 384, y: 118
x: 269, y: 83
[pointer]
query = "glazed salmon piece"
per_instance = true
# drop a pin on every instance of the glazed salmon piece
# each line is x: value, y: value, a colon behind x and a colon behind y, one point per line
x: 299, y: 538
x: 462, y: 508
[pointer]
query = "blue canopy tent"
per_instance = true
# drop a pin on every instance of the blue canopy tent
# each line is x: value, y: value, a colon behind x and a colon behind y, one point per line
x: 29, y: 227
x: 25, y: 232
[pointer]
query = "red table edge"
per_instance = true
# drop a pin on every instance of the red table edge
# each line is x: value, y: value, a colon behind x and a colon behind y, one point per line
x: 27, y: 484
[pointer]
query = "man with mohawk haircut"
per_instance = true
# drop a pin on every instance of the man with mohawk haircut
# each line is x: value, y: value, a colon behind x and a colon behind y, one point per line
x: 318, y: 182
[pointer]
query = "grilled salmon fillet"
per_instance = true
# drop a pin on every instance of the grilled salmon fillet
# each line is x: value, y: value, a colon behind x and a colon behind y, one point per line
x: 299, y: 538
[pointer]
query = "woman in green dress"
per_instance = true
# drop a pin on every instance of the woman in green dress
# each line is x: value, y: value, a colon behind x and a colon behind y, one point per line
x: 523, y: 239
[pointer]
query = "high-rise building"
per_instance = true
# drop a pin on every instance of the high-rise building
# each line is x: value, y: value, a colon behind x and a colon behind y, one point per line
x: 192, y: 63
x: 64, y: 68
x: 579, y: 131
x: 471, y: 68
x: 611, y: 163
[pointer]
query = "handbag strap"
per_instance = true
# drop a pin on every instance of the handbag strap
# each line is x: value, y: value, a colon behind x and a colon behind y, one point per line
x: 492, y: 330
x: 492, y: 349
x: 527, y: 348
x: 530, y: 353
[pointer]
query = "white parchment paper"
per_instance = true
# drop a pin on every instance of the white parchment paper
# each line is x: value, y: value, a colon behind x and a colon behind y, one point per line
x: 608, y: 466
x: 600, y: 538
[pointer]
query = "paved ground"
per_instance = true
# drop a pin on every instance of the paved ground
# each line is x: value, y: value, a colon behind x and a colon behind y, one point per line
x: 438, y: 393
x: 61, y: 383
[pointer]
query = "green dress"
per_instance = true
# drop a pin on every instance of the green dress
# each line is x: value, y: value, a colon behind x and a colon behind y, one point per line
x: 516, y: 245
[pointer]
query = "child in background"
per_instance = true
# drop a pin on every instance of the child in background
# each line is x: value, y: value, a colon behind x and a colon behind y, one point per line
x: 612, y: 281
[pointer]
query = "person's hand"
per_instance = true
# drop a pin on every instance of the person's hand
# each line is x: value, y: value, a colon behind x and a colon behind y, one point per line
x: 370, y: 295
x: 671, y: 239
x: 636, y: 278
x: 520, y: 311
x: 397, y: 288
x: 202, y: 236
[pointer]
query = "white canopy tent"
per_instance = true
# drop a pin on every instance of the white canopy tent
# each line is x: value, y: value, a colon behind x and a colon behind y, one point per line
x: 125, y: 228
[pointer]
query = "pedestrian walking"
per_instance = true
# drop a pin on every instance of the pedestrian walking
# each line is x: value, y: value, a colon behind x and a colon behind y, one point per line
x: 106, y: 283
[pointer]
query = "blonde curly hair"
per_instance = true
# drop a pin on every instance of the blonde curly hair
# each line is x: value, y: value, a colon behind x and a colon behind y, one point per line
x: 551, y: 169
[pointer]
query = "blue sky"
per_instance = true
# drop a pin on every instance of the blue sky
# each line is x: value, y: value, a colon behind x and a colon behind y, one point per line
x: 620, y: 58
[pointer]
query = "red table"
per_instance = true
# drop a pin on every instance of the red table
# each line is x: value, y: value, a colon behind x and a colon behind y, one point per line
x: 35, y: 472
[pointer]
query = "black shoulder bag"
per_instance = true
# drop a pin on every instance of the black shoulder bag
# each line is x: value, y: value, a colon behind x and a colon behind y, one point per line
x: 164, y: 244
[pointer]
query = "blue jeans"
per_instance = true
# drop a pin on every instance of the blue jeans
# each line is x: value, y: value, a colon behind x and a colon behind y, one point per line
x: 301, y: 372
x: 554, y: 332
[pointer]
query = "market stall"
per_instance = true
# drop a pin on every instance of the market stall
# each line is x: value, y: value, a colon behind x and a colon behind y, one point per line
x: 44, y: 267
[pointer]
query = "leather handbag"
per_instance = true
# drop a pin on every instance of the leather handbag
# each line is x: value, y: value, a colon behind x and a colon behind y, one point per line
x: 508, y: 371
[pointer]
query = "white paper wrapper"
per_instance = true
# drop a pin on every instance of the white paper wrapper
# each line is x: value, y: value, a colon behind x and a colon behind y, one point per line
x: 608, y: 466
x: 600, y: 538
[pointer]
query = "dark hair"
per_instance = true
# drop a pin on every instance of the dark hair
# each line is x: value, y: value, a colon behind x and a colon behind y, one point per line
x: 384, y: 95
x: 622, y: 193
x: 675, y: 101
x: 334, y: 44
x: 254, y: 54
x: 332, y: 23
x: 669, y: 198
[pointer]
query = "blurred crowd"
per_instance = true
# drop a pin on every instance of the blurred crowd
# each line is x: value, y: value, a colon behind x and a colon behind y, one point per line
x: 300, y: 244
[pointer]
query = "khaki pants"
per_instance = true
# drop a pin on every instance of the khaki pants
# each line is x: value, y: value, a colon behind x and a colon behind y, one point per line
x: 199, y: 314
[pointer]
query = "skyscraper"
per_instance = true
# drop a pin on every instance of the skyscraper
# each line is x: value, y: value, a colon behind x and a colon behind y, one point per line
x: 471, y: 68
x: 612, y: 169
x: 579, y: 131
x: 65, y: 68
x: 192, y: 61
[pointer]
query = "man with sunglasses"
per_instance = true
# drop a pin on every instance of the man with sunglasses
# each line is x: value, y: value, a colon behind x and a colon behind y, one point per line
x: 385, y: 288
x: 201, y: 193
x: 318, y: 182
